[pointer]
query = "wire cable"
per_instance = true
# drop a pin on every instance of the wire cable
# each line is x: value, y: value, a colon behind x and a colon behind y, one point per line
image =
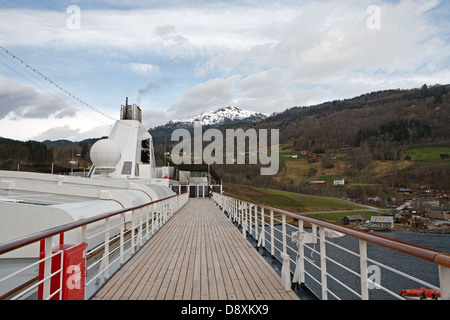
x: 13, y: 58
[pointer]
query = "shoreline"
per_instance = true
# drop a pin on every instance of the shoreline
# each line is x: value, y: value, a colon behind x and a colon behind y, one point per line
x: 433, y: 229
x: 406, y: 228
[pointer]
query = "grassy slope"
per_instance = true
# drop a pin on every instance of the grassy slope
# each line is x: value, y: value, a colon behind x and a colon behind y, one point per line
x: 297, y: 169
x: 291, y: 201
x: 427, y: 153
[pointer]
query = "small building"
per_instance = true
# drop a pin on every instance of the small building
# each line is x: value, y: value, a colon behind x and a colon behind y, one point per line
x: 339, y: 182
x: 294, y: 156
x: 398, y: 218
x: 355, y: 219
x: 374, y: 199
x: 438, y: 213
x: 314, y: 155
x: 382, y: 221
x: 317, y: 183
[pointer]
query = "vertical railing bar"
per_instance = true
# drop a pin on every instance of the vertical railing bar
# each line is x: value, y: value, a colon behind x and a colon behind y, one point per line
x: 263, y: 227
x: 323, y: 263
x: 272, y: 235
x: 122, y: 232
x: 141, y: 212
x: 444, y: 282
x: 106, y: 255
x: 301, y: 252
x: 147, y: 224
x: 47, y: 267
x: 283, y: 229
x: 363, y: 269
x: 256, y: 223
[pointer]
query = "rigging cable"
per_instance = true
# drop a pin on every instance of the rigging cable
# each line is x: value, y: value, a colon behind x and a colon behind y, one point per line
x: 35, y: 71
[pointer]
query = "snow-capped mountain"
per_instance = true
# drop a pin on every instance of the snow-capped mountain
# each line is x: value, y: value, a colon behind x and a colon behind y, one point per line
x: 221, y: 116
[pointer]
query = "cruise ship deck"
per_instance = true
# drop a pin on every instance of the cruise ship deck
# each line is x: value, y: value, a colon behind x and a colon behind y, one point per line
x: 198, y: 255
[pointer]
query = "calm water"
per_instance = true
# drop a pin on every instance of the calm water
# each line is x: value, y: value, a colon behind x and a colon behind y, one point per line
x: 419, y: 268
x: 416, y: 267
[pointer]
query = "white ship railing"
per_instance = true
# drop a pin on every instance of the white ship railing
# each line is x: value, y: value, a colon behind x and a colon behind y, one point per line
x: 293, y: 245
x: 102, y: 261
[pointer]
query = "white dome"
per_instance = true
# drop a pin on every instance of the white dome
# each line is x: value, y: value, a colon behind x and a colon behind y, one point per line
x: 105, y: 153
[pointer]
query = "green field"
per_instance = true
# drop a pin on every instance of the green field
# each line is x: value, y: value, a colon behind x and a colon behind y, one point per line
x: 338, y: 216
x: 291, y: 201
x: 427, y: 153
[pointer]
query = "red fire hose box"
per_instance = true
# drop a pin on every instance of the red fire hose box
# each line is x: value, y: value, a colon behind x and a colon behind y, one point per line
x: 73, y: 272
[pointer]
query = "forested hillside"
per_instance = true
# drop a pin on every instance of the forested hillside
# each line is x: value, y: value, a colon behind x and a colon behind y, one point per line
x: 376, y: 142
x: 386, y: 120
x: 38, y: 156
x: 364, y: 140
x: 14, y: 152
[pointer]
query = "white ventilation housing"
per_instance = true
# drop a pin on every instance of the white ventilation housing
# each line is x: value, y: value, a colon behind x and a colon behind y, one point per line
x: 105, y: 155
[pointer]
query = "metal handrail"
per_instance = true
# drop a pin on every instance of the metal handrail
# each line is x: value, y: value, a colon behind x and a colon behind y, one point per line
x: 60, y: 230
x: 241, y: 212
x: 26, y: 240
x: 435, y: 256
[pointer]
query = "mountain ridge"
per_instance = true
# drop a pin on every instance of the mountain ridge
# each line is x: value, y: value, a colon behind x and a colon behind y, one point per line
x: 221, y: 116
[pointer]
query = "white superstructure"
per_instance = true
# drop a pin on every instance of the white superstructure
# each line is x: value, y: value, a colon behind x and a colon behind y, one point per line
x: 123, y: 176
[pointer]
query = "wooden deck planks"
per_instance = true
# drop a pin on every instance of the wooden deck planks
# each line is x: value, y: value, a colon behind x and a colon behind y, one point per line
x: 198, y: 254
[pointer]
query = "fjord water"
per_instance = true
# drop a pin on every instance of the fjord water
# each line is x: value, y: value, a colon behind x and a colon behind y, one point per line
x: 416, y: 267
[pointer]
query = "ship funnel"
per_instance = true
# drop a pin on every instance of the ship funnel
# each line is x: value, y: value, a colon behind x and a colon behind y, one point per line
x: 130, y: 112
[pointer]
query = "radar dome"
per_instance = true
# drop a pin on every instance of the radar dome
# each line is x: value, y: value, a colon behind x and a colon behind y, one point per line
x: 105, y: 154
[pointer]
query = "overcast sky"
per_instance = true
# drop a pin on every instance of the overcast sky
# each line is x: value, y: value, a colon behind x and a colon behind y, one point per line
x: 180, y: 58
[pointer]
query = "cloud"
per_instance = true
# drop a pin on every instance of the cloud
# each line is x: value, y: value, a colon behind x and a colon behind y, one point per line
x: 152, y: 118
x: 143, y: 68
x: 19, y: 101
x: 73, y: 134
x: 211, y: 94
x: 194, y: 57
x: 265, y: 84
x: 327, y: 52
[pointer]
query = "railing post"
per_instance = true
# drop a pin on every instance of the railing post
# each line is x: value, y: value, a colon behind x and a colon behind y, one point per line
x: 263, y: 228
x: 122, y: 232
x: 47, y: 267
x: 272, y: 235
x: 153, y: 210
x: 444, y: 280
x: 256, y: 223
x: 323, y: 263
x: 141, y: 212
x: 106, y: 254
x: 286, y: 267
x: 158, y: 215
x: 363, y: 269
x: 147, y: 225
x: 133, y: 238
x: 84, y: 234
x: 240, y: 213
x: 245, y: 216
x: 283, y: 232
x: 299, y: 274
x: 250, y: 213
